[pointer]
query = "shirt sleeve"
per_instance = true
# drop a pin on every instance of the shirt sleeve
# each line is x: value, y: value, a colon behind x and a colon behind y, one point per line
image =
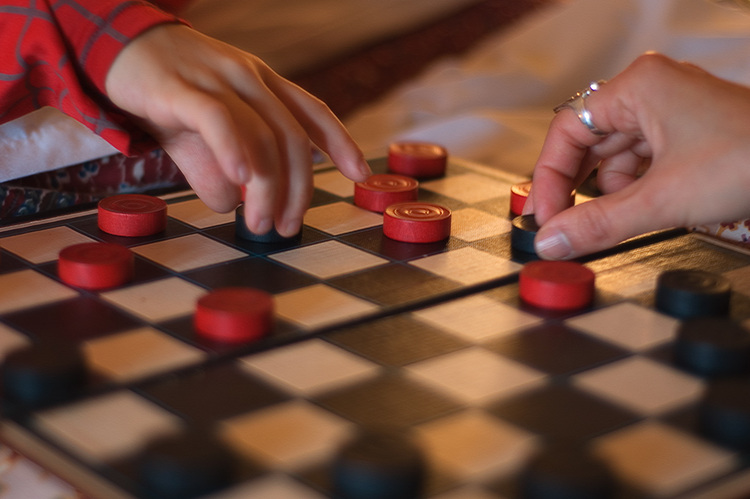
x: 58, y: 52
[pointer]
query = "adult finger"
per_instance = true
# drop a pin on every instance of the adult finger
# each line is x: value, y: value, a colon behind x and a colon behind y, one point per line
x: 600, y: 223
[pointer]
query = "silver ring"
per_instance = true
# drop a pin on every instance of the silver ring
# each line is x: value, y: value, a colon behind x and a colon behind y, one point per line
x: 578, y: 104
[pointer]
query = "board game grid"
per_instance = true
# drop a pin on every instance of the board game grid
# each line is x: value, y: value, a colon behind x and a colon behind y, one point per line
x: 430, y: 341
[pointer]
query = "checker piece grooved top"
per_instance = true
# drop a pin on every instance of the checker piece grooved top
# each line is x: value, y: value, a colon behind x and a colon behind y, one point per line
x: 234, y: 315
x: 132, y: 215
x: 95, y: 265
x: 417, y: 159
x: 556, y: 285
x: 417, y: 222
x: 380, y: 191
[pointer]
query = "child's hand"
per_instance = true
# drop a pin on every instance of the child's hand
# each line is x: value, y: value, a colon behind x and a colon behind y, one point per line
x: 227, y: 119
x: 691, y: 126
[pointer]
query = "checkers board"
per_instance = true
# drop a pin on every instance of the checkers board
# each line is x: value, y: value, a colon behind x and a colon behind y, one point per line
x: 427, y: 341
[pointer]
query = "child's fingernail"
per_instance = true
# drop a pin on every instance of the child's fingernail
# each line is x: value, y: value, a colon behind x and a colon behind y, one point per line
x: 264, y: 226
x: 554, y: 246
x: 364, y: 167
x: 290, y: 228
x: 243, y: 175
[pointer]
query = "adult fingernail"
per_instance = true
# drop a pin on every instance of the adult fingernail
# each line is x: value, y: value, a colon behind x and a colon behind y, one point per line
x: 554, y: 246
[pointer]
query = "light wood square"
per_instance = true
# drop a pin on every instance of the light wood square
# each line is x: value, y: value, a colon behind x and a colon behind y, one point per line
x: 188, y: 252
x: 43, y: 245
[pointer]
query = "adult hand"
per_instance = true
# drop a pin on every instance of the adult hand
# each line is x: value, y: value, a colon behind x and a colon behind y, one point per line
x: 227, y: 120
x: 689, y: 128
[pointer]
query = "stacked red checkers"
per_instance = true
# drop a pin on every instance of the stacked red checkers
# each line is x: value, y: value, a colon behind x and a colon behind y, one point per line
x: 132, y: 215
x: 380, y: 191
x: 417, y: 159
x: 556, y: 285
x: 518, y: 195
x: 95, y: 265
x: 234, y: 315
x: 417, y: 222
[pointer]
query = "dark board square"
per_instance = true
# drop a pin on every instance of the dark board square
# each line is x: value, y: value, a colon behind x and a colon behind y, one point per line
x: 252, y: 272
x: 374, y: 241
x: 76, y: 319
x: 497, y: 245
x: 183, y: 328
x: 388, y: 401
x: 396, y: 341
x: 227, y: 234
x: 208, y: 396
x: 9, y: 263
x: 321, y: 197
x: 394, y: 284
x: 143, y: 271
x: 561, y: 412
x: 555, y: 349
x: 88, y: 225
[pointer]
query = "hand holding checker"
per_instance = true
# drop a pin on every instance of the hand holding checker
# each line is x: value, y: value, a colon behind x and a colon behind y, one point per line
x: 691, y: 126
x: 228, y: 120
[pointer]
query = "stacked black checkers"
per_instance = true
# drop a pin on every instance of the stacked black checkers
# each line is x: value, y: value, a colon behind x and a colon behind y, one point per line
x: 709, y: 343
x: 687, y: 293
x: 377, y: 465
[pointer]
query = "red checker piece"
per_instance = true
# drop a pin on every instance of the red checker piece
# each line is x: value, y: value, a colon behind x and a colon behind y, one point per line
x: 234, y: 315
x: 520, y: 192
x: 518, y: 195
x: 95, y: 265
x: 380, y: 191
x: 417, y: 159
x: 417, y: 222
x: 132, y: 215
x: 556, y: 285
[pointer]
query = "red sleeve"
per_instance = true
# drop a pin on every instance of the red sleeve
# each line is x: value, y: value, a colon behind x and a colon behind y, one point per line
x: 57, y: 53
x: 174, y: 6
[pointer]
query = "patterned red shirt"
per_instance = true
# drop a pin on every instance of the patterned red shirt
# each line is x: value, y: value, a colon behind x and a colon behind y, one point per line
x: 57, y: 53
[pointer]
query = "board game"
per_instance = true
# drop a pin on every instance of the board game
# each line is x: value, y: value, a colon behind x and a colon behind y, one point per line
x: 392, y: 369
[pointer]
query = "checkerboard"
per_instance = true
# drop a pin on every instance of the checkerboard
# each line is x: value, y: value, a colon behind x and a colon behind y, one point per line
x: 427, y: 340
